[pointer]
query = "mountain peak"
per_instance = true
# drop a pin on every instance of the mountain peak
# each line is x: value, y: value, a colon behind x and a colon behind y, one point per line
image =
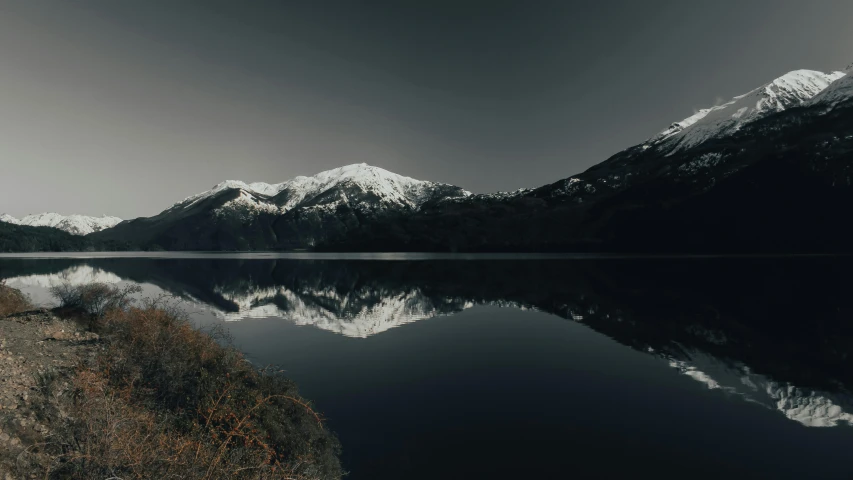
x: 789, y: 90
x: 389, y: 187
x: 839, y: 92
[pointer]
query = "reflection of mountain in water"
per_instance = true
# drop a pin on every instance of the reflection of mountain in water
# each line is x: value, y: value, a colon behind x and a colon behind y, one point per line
x: 75, y: 275
x: 774, y: 332
x: 808, y: 407
x: 357, y: 314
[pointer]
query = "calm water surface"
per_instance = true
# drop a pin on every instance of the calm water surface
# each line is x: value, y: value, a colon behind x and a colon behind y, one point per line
x: 536, y: 366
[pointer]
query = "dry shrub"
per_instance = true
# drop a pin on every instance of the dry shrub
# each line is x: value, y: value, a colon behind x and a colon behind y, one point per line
x: 166, y: 400
x: 12, y: 300
x: 95, y: 299
x: 111, y: 437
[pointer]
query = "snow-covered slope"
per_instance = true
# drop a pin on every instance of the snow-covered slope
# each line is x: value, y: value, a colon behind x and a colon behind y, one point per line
x: 299, y: 213
x: 391, y: 189
x: 682, y: 152
x: 839, y: 91
x: 73, y: 224
x: 261, y: 188
x: 247, y: 205
x: 789, y: 90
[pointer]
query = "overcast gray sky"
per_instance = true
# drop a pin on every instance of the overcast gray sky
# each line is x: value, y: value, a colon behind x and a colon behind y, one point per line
x: 123, y: 107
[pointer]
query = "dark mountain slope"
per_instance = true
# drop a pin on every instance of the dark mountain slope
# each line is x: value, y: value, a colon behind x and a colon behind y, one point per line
x: 20, y: 238
x: 780, y: 184
x: 23, y: 238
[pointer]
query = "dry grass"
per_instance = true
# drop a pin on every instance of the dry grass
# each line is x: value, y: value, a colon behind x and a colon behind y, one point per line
x: 12, y: 301
x: 165, y: 400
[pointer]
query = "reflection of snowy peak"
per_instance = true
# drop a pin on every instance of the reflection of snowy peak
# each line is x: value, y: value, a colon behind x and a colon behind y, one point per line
x: 357, y: 314
x: 73, y: 224
x: 358, y: 299
x: 808, y: 407
x: 76, y: 275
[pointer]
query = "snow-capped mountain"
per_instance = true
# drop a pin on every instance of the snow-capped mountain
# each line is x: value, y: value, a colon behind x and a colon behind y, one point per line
x: 682, y: 150
x: 258, y: 188
x: 738, y: 177
x: 693, y: 186
x: 789, y: 90
x: 391, y: 190
x: 839, y: 92
x: 73, y: 224
x: 298, y: 213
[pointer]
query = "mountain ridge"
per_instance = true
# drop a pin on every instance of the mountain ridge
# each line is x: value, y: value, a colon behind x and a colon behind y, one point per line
x: 73, y: 224
x: 786, y: 91
x: 700, y: 185
x: 297, y: 213
x: 729, y: 193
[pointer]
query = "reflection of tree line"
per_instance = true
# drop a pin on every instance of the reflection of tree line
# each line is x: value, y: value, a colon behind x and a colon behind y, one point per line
x: 784, y: 318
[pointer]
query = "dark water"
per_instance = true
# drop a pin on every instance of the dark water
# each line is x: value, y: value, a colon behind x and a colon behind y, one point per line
x: 549, y: 367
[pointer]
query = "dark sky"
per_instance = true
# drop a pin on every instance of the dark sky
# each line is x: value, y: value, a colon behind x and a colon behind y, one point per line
x: 123, y: 107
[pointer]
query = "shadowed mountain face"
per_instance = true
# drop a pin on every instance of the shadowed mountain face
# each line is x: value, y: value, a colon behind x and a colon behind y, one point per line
x: 776, y: 332
x: 770, y: 172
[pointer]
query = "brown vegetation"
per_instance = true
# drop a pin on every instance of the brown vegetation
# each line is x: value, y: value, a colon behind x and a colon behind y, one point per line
x: 12, y: 301
x: 165, y: 400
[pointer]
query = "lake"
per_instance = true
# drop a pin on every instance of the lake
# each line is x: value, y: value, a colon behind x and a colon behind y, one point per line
x: 536, y: 366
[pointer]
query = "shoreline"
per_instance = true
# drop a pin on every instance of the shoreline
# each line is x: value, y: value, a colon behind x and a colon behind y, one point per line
x: 136, y: 391
x: 406, y: 255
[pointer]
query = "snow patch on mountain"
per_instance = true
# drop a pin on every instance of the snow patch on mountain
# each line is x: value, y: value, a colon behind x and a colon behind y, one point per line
x: 257, y: 187
x: 73, y: 224
x: 840, y: 91
x: 246, y: 207
x: 493, y: 197
x: 390, y: 188
x: 790, y: 90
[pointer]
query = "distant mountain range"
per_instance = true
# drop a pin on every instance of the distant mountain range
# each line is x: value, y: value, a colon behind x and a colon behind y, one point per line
x: 768, y: 171
x: 73, y: 224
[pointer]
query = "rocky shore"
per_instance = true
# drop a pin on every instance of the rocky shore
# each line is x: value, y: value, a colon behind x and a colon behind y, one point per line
x: 138, y: 392
x: 36, y: 346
